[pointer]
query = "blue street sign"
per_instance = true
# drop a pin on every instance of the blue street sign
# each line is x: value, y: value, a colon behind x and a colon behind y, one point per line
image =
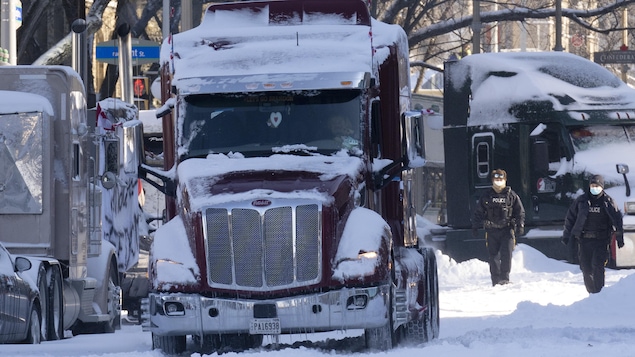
x: 143, y: 51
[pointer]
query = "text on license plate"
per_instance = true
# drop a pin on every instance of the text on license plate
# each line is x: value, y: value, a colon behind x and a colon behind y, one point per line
x: 264, y: 327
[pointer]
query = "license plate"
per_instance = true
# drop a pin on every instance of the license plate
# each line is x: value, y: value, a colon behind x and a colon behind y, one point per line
x: 264, y: 327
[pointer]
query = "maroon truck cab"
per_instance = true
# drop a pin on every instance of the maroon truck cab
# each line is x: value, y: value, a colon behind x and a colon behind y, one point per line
x: 288, y: 158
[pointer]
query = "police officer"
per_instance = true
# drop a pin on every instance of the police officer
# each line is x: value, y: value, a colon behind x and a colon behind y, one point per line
x: 591, y: 220
x: 502, y: 214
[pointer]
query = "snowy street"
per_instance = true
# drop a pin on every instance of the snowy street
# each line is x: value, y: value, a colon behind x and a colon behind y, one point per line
x: 546, y: 311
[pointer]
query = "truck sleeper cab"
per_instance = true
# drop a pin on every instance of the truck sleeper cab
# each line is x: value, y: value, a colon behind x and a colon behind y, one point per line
x: 550, y: 128
x: 274, y: 169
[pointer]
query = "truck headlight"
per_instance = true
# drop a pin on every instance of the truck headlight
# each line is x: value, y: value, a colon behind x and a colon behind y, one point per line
x: 629, y: 207
x: 173, y: 308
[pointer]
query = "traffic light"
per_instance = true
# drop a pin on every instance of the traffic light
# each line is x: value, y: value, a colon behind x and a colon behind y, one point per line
x: 141, y: 89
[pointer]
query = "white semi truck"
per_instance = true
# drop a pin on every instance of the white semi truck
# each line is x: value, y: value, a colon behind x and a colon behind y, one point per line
x: 68, y: 194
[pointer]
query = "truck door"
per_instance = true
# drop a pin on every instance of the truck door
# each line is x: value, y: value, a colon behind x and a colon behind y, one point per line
x: 548, y: 154
x: 482, y: 158
x: 8, y: 299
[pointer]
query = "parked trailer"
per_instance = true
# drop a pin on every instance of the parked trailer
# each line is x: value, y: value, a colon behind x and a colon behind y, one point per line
x: 279, y: 221
x: 69, y: 195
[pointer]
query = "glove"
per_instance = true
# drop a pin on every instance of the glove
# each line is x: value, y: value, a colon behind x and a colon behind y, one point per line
x: 520, y: 230
x: 564, y: 240
x: 475, y: 232
x: 619, y: 238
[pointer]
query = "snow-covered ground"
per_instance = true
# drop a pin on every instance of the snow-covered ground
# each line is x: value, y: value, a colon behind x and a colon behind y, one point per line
x: 545, y: 312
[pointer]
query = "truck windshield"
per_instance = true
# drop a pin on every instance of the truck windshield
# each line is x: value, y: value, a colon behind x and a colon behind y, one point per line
x: 21, y: 159
x: 587, y: 138
x: 263, y: 123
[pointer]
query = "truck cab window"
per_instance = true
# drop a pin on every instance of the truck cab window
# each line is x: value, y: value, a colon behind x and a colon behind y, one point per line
x: 76, y: 162
x: 482, y: 159
x: 260, y: 124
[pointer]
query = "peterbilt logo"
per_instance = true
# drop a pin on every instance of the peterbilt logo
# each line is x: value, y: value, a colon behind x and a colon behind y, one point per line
x: 260, y: 203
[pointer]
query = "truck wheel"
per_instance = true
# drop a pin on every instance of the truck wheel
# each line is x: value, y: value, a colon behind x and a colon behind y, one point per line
x: 381, y: 338
x: 420, y: 330
x: 34, y: 334
x: 209, y: 343
x: 432, y: 279
x: 171, y: 345
x: 56, y: 305
x: 416, y: 331
x: 240, y: 341
x: 113, y: 302
x: 43, y: 288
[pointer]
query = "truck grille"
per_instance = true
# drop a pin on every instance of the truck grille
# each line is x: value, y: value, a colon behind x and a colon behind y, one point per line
x: 260, y: 249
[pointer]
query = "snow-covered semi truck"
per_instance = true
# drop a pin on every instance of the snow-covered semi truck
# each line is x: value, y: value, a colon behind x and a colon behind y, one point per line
x: 68, y: 195
x: 288, y: 159
x: 550, y: 120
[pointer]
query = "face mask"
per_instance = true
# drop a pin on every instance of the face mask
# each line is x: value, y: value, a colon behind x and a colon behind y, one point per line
x: 499, y: 183
x: 595, y: 190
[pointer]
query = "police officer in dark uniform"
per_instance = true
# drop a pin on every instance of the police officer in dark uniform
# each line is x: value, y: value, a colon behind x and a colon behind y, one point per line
x: 591, y: 220
x: 501, y: 213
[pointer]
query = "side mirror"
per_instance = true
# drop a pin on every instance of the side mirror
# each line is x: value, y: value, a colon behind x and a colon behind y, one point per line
x: 133, y: 150
x: 108, y: 180
x: 22, y: 264
x: 166, y: 108
x: 622, y: 169
x: 413, y: 139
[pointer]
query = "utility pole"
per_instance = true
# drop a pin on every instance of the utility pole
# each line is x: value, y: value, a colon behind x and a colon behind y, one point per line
x: 625, y: 41
x: 558, y: 46
x: 476, y: 26
x: 186, y: 15
x: 8, y: 27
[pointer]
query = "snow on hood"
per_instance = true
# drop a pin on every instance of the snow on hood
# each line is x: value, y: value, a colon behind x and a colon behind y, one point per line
x: 569, y: 82
x: 216, y: 165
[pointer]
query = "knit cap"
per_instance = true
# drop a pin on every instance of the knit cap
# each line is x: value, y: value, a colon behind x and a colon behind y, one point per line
x: 597, y: 179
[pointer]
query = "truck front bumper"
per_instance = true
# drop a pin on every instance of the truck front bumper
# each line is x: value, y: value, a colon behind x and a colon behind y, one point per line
x: 192, y: 314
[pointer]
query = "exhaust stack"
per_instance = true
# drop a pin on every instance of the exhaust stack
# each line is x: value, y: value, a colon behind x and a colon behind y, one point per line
x: 79, y: 60
x: 125, y: 63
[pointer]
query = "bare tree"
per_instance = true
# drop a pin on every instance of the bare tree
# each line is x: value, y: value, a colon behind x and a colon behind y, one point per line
x: 435, y: 28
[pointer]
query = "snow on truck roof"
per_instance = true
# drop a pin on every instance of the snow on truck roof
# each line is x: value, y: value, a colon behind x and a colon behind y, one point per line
x: 12, y: 102
x: 571, y: 83
x: 280, y: 38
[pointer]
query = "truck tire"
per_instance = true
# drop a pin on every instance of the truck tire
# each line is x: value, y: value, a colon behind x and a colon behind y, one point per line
x: 56, y: 305
x: 416, y: 331
x: 432, y: 280
x: 379, y: 338
x: 240, y: 341
x: 43, y: 288
x: 113, y: 302
x: 426, y: 327
x: 382, y: 338
x: 170, y: 345
x: 34, y: 332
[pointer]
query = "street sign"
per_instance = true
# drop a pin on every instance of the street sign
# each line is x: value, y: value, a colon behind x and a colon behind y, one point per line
x: 143, y: 51
x: 624, y: 57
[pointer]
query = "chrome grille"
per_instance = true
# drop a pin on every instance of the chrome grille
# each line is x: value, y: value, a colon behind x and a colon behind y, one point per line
x: 260, y: 248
